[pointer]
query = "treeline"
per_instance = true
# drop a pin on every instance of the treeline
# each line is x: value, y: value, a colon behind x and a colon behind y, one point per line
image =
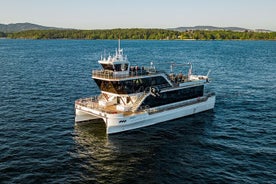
x: 227, y: 35
x: 143, y: 34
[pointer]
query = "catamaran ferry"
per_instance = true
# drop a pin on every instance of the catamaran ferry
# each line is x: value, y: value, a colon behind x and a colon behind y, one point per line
x: 132, y: 97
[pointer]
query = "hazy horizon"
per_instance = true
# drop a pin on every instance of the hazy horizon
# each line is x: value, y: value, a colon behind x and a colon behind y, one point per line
x: 134, y: 27
x: 110, y: 14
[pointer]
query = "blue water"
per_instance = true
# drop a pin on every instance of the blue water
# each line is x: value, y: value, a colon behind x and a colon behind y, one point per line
x: 41, y: 79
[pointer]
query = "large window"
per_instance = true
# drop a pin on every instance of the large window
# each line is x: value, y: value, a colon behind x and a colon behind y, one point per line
x: 120, y: 67
x: 115, y: 67
x: 131, y: 86
x: 174, y: 96
x: 108, y: 67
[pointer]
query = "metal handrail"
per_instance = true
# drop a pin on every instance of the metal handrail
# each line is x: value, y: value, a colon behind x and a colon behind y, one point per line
x: 111, y: 75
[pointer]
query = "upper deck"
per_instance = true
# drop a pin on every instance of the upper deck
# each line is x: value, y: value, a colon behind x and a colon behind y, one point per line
x: 133, y: 73
x: 139, y: 81
x: 146, y: 72
x: 119, y: 77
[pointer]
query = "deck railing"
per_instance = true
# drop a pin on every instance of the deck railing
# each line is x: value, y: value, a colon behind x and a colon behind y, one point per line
x: 91, y: 102
x: 181, y: 104
x: 112, y: 75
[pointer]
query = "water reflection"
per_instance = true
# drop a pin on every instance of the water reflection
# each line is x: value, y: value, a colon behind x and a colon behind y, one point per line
x: 162, y: 151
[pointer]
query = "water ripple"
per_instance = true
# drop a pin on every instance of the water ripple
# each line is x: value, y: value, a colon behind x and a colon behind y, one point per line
x: 41, y: 79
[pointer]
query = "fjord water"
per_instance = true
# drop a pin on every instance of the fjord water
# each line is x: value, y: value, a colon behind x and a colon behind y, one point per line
x: 39, y: 143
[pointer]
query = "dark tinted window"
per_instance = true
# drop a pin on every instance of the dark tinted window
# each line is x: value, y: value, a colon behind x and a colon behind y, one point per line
x: 131, y: 86
x: 174, y: 96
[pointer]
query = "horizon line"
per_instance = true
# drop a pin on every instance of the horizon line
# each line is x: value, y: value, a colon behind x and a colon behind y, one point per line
x: 171, y: 27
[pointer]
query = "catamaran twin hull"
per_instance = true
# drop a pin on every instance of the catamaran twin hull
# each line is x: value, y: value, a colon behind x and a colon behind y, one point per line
x: 118, y: 122
x: 137, y: 96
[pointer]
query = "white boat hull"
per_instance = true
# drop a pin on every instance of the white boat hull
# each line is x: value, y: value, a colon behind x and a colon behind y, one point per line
x: 84, y: 116
x: 116, y: 123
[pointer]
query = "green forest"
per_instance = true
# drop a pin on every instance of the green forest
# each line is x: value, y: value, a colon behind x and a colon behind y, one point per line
x: 140, y: 34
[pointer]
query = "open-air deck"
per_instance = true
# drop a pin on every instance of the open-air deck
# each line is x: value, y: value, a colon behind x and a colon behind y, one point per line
x: 108, y: 74
x: 175, y: 79
x: 93, y: 103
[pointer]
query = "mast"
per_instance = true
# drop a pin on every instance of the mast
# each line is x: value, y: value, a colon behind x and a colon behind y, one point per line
x: 120, y: 51
x: 119, y: 45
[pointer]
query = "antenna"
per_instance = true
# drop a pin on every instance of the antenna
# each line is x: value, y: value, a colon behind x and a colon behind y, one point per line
x: 190, y: 70
x: 208, y: 73
x: 120, y: 51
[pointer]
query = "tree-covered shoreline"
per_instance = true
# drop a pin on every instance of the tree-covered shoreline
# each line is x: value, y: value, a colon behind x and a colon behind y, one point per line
x: 140, y: 34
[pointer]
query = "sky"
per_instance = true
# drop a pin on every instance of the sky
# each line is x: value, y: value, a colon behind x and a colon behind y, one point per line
x: 109, y: 14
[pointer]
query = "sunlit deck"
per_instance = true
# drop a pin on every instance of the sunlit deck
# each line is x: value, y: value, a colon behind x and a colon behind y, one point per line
x: 92, y: 103
x: 107, y: 74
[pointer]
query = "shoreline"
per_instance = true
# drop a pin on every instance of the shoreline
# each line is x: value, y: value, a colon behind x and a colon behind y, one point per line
x: 5, y: 38
x: 139, y: 34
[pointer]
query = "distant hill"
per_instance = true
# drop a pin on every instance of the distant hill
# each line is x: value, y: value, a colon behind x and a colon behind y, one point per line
x: 17, y: 27
x: 11, y: 28
x: 213, y: 28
